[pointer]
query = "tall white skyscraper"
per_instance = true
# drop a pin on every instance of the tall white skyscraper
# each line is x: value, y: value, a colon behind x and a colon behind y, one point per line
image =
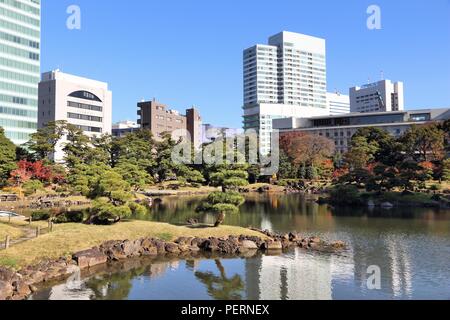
x: 283, y: 79
x: 381, y: 96
x: 82, y: 102
x: 20, y: 34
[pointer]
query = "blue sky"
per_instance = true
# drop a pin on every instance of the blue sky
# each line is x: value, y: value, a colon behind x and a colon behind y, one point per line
x: 188, y: 53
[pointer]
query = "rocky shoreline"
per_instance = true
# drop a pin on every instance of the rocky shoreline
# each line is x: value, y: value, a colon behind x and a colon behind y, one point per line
x: 20, y: 285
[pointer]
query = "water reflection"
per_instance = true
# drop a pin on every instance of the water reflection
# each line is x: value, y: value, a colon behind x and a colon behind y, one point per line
x: 411, y: 247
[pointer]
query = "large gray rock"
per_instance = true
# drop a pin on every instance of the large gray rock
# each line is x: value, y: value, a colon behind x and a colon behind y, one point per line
x: 90, y: 258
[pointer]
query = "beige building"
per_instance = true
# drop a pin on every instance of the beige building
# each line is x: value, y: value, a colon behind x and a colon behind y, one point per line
x: 159, y: 119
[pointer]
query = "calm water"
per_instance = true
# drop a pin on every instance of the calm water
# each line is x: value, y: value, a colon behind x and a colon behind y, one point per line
x: 410, y: 246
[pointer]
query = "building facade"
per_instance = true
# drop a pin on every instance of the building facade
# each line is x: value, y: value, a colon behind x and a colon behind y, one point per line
x: 159, y: 119
x: 122, y: 128
x: 338, y: 103
x: 20, y: 26
x: 377, y: 97
x: 341, y: 128
x: 82, y: 102
x: 286, y: 78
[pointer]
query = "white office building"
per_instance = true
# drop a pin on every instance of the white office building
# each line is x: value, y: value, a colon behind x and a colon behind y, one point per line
x: 80, y: 101
x: 20, y: 34
x: 381, y: 96
x: 338, y: 103
x: 286, y: 77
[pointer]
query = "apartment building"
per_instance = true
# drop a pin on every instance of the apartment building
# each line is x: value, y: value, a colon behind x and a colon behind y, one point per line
x: 159, y: 119
x: 83, y: 102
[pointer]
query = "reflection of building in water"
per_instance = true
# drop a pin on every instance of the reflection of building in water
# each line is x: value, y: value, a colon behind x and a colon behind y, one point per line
x: 392, y: 255
x: 297, y: 276
x: 400, y: 267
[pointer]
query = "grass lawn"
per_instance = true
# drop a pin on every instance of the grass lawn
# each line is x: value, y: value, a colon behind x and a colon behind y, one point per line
x: 69, y: 238
x: 8, y: 230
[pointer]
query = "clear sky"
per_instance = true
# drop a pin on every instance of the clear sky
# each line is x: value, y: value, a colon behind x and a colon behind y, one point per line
x: 188, y: 53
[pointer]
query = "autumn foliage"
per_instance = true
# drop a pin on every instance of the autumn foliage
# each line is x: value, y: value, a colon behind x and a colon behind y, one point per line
x: 27, y: 170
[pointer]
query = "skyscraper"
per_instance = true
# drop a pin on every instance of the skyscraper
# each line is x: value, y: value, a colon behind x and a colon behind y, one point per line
x: 286, y: 78
x: 20, y: 26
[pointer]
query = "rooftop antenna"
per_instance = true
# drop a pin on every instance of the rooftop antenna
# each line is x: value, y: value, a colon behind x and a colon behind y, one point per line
x: 382, y: 75
x: 368, y: 80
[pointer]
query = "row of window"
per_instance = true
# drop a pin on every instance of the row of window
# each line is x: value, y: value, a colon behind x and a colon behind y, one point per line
x: 18, y: 124
x: 19, y: 17
x: 19, y: 52
x: 17, y: 135
x: 23, y: 6
x: 84, y: 106
x: 18, y: 112
x: 19, y: 40
x: 18, y: 77
x: 84, y: 117
x: 19, y: 65
x: 18, y: 100
x: 90, y: 129
x: 18, y: 88
x: 20, y: 29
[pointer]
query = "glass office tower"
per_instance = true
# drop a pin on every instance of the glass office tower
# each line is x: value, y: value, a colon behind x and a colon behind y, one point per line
x: 20, y: 27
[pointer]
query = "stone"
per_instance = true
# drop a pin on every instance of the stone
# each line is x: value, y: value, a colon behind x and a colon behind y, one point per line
x: 90, y: 258
x: 272, y: 245
x: 315, y: 240
x: 249, y: 245
x: 160, y: 246
x: 293, y: 237
x: 198, y: 242
x: 194, y: 249
x: 387, y: 205
x: 21, y: 289
x: 131, y: 248
x: 212, y: 244
x: 184, y: 247
x: 338, y: 244
x: 8, y: 275
x: 228, y: 246
x: 184, y: 240
x: 172, y: 248
x: 6, y: 290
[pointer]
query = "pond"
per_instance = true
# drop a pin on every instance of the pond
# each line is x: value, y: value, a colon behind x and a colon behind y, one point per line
x: 410, y: 246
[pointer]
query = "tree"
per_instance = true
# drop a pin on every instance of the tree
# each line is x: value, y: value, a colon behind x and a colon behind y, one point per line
x: 411, y: 173
x: 134, y: 175
x: 287, y: 170
x: 7, y: 157
x: 389, y: 150
x: 307, y: 149
x: 221, y: 287
x: 136, y: 148
x: 222, y: 203
x: 230, y: 177
x: 424, y: 143
x: 361, y: 153
x: 44, y: 141
x: 112, y: 199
